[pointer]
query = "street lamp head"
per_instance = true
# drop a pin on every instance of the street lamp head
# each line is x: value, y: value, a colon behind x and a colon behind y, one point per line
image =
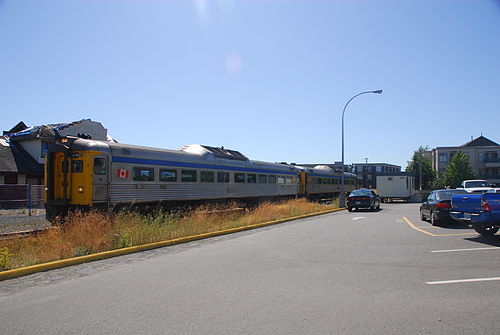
x: 378, y: 91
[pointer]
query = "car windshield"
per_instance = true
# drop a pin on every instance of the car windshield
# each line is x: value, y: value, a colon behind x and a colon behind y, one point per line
x: 479, y: 183
x: 358, y: 193
x: 446, y: 195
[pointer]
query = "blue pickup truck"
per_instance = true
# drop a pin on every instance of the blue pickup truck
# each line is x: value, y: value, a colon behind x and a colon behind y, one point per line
x: 481, y: 211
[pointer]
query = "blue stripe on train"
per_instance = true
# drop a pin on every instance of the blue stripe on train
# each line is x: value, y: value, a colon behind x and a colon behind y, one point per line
x: 130, y: 160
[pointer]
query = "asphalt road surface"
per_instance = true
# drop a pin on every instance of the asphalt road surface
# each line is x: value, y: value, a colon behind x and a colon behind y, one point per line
x: 383, y: 272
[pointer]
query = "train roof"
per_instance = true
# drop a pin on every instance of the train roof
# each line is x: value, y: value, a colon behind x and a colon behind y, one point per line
x: 191, y: 153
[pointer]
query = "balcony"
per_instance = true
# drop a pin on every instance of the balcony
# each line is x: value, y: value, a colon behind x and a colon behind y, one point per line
x: 491, y: 162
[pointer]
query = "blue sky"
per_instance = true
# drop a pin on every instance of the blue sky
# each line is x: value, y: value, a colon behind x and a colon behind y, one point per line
x: 266, y: 77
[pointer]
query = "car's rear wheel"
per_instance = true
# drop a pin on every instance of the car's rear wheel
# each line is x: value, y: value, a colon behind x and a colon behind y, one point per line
x: 349, y: 209
x: 434, y: 219
x: 486, y: 230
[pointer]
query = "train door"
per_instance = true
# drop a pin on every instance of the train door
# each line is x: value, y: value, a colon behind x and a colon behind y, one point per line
x: 302, y: 183
x: 100, y: 179
x: 61, y: 180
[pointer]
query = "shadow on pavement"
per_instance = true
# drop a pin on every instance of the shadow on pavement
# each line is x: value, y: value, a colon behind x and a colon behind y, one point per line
x: 489, y: 240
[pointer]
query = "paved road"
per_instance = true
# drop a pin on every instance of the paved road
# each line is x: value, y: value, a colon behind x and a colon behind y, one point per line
x: 343, y: 273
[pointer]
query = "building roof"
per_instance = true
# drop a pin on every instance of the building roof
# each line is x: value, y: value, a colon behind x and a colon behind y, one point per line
x: 13, y: 158
x: 409, y: 174
x: 481, y: 141
x: 18, y: 127
x: 49, y: 131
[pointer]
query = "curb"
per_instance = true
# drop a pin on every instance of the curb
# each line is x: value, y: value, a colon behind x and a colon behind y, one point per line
x: 24, y: 271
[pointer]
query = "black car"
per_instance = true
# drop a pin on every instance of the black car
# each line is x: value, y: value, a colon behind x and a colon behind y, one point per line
x: 437, y: 206
x: 363, y: 198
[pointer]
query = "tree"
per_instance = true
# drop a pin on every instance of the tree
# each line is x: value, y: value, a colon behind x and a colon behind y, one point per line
x: 458, y: 170
x: 421, y: 163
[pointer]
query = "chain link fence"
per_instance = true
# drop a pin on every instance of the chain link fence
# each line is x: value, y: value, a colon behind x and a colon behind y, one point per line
x: 21, y: 196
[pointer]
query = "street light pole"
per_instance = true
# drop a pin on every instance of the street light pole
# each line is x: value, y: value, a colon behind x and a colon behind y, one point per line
x: 342, y: 189
x: 366, y: 173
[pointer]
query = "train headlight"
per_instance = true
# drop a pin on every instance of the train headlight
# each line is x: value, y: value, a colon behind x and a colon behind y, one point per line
x: 81, y: 189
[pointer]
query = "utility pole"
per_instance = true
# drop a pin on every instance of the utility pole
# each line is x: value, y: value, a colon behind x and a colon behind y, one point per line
x: 366, y: 173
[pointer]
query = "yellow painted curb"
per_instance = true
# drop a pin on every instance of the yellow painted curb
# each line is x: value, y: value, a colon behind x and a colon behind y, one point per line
x: 19, y: 272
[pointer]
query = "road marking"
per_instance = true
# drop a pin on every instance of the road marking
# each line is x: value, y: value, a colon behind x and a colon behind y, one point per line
x: 358, y: 218
x: 412, y: 225
x: 409, y: 223
x: 470, y: 249
x: 461, y: 281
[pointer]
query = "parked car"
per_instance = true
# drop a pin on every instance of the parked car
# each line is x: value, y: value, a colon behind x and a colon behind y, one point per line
x: 363, y: 198
x: 481, y: 211
x: 437, y: 206
x: 477, y: 186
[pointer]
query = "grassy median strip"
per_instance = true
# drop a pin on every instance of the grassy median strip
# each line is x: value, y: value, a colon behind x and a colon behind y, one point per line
x: 93, y: 236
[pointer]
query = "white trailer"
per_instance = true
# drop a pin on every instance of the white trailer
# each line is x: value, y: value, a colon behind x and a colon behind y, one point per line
x: 395, y: 186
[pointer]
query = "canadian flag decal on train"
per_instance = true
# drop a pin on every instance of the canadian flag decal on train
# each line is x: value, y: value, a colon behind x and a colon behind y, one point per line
x: 122, y: 173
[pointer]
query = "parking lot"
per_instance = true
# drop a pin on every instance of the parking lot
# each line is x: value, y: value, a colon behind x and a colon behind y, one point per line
x: 358, y: 273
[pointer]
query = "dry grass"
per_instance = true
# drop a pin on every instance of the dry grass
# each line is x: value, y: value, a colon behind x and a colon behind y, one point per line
x: 87, y: 233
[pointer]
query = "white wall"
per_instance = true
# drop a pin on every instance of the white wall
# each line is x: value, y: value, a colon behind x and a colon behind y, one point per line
x: 396, y: 186
x: 34, y: 148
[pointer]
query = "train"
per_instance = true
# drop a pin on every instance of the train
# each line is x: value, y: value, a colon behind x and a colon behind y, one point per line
x: 86, y: 174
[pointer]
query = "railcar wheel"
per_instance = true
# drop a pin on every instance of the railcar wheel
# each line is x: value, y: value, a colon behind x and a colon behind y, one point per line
x: 486, y: 230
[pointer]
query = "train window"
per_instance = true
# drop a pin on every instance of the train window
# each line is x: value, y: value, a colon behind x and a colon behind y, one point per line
x: 239, y: 177
x: 144, y: 174
x: 288, y: 179
x: 99, y: 166
x: 223, y: 177
x: 168, y: 175
x: 189, y: 175
x: 77, y: 166
x: 251, y: 178
x: 207, y: 176
x: 272, y: 179
x: 281, y: 180
x: 262, y: 179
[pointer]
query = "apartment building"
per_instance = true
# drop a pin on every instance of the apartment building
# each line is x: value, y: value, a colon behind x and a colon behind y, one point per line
x: 483, y: 153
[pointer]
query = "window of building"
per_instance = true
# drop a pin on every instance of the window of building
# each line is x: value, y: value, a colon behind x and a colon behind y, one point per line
x: 443, y: 157
x: 207, y: 176
x: 379, y: 169
x: 189, y: 176
x: 168, y: 175
x: 262, y: 179
x: 144, y: 174
x: 77, y: 166
x: 480, y: 156
x: 222, y: 177
x: 239, y: 178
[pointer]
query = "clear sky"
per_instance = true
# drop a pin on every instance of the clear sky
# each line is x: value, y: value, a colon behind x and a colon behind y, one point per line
x: 266, y: 77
